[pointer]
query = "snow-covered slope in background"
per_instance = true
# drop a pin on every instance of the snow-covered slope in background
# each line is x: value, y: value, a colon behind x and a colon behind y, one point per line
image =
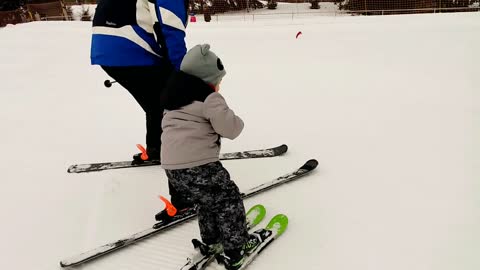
x: 388, y: 105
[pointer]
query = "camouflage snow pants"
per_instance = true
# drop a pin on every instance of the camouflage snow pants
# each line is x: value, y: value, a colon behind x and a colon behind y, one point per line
x: 221, y: 213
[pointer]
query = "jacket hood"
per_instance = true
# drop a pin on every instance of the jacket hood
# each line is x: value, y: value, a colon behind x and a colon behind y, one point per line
x: 182, y: 89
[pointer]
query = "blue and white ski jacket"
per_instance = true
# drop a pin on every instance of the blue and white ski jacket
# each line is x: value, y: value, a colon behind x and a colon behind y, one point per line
x: 139, y: 32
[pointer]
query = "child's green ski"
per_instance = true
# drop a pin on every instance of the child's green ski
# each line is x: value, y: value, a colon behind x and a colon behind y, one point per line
x: 277, y: 225
x: 207, y: 254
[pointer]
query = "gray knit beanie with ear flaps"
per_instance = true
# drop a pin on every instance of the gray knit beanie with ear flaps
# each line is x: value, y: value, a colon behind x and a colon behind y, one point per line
x: 204, y: 64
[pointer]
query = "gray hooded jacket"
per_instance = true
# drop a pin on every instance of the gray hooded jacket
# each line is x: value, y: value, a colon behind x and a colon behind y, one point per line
x: 191, y: 133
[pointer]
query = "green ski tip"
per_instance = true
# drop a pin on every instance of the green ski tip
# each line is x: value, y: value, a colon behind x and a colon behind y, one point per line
x: 278, y: 223
x: 255, y: 215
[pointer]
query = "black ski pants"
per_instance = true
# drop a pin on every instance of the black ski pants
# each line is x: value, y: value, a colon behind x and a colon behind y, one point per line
x: 221, y: 213
x: 145, y: 84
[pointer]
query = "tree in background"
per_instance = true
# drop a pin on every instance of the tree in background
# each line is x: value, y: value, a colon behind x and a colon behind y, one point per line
x: 12, y: 12
x: 272, y: 4
x: 401, y: 4
x: 475, y: 3
x: 7, y: 5
x: 219, y: 6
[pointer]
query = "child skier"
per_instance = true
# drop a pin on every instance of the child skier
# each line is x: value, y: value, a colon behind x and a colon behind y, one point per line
x: 195, y: 119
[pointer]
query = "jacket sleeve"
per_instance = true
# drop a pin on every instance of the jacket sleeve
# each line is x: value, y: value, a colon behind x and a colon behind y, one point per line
x: 169, y: 28
x: 222, y: 118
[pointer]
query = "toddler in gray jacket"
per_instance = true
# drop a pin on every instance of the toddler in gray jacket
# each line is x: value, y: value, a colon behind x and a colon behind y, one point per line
x: 195, y: 119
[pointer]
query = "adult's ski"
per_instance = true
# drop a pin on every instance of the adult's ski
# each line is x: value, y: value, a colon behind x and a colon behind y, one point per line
x: 94, y: 167
x: 183, y: 216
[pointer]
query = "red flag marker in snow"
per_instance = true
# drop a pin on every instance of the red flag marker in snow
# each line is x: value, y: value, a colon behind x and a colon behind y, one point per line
x: 298, y: 34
